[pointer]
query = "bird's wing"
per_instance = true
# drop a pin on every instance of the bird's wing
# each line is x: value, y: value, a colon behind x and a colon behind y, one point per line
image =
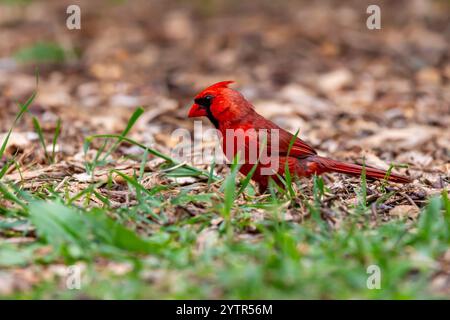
x: 299, y: 149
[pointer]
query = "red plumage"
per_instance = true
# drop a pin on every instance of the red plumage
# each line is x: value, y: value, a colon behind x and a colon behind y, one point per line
x: 229, y: 110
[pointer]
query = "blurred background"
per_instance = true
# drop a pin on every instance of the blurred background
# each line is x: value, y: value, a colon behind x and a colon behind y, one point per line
x: 309, y: 65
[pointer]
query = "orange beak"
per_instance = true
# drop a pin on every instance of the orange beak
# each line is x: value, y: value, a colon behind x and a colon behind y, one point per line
x: 197, y: 111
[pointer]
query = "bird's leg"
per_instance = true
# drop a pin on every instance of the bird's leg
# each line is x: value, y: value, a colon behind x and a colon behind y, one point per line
x: 262, y: 187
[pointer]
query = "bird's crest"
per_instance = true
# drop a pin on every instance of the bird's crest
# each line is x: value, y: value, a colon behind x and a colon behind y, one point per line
x: 222, y: 84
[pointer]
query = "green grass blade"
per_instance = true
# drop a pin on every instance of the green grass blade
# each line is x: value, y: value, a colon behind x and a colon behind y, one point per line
x: 143, y: 163
x: 131, y: 122
x: 55, y: 138
x: 10, y: 196
x: 23, y: 109
x: 154, y: 152
x: 5, y: 168
x: 229, y: 189
x: 247, y: 179
x: 38, y: 129
x: 133, y: 182
x: 287, y: 172
x: 362, y: 192
x: 211, y: 173
x: 249, y: 176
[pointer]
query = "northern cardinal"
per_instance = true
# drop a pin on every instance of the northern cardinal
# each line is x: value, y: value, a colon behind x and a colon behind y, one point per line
x: 227, y: 109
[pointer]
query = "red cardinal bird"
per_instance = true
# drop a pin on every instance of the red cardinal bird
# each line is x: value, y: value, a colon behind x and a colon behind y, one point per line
x: 228, y: 110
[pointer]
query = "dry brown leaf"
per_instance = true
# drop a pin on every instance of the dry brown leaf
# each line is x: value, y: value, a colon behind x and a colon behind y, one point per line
x: 335, y: 80
x: 19, y: 139
x: 406, y: 138
x: 405, y: 211
x: 415, y: 157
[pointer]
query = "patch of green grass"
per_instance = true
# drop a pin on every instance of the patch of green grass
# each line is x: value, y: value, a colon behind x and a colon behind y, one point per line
x: 288, y: 261
x: 42, y: 52
x: 15, y: 2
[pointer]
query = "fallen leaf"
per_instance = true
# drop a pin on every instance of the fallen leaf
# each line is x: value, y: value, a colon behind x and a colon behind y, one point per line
x: 406, y: 138
x: 335, y: 80
x: 405, y: 211
x: 415, y: 157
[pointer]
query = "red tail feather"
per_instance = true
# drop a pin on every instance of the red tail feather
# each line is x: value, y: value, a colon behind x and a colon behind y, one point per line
x: 328, y: 165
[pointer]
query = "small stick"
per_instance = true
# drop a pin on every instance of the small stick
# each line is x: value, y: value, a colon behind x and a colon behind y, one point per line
x: 409, y: 199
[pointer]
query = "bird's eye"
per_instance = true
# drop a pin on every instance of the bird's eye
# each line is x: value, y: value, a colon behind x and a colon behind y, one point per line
x: 204, y: 101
